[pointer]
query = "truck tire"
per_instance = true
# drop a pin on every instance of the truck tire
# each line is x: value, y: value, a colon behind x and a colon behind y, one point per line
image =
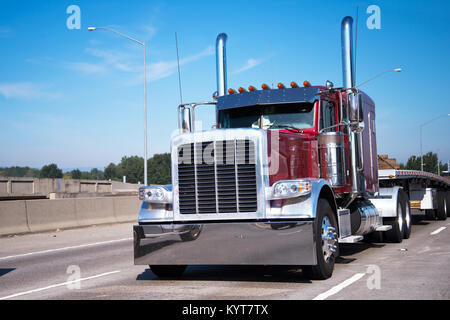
x: 406, y: 215
x: 441, y: 213
x: 448, y: 203
x: 168, y: 271
x: 326, y: 249
x: 395, y: 235
x: 431, y: 214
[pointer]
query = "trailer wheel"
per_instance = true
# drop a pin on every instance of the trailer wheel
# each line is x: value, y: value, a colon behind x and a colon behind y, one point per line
x: 406, y: 215
x: 431, y: 214
x: 447, y: 202
x: 396, y: 233
x: 325, y: 234
x: 441, y: 212
x: 168, y: 271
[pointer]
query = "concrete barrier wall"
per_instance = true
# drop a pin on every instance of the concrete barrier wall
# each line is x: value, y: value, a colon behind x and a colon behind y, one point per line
x: 126, y: 208
x: 94, y: 211
x: 46, y: 215
x: 51, y: 214
x: 13, y: 217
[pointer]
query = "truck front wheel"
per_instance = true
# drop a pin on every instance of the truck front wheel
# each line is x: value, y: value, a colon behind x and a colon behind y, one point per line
x: 326, y: 241
x: 168, y: 271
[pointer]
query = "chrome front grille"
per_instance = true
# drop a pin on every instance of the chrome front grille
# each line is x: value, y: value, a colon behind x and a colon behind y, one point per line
x: 217, y: 177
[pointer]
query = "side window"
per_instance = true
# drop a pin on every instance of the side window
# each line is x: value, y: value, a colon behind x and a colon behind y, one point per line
x: 327, y: 117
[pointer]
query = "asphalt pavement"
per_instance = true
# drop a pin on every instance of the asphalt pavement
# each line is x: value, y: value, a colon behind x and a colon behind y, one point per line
x: 100, y: 258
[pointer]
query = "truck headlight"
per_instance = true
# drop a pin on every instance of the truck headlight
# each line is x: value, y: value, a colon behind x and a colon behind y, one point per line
x: 155, y: 194
x: 289, y: 189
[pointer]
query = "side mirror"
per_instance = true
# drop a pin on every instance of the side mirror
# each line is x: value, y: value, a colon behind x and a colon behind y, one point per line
x: 356, y: 111
x: 355, y: 101
x: 186, y: 120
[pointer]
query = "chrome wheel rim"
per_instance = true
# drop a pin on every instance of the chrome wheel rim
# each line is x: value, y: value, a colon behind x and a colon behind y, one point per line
x: 329, y: 239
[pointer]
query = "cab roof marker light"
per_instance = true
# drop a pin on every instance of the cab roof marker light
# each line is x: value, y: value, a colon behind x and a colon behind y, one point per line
x: 306, y: 83
x: 265, y: 86
x: 241, y: 90
x: 281, y: 86
x: 294, y: 84
x: 231, y: 91
x: 251, y: 88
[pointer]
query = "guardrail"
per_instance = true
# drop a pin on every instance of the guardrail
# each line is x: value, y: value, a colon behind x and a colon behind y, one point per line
x: 24, y: 216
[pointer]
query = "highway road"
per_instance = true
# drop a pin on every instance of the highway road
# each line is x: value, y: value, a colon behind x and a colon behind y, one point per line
x: 44, y: 265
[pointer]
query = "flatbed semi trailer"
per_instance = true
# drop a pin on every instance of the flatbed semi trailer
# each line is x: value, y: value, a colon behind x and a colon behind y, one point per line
x: 427, y: 191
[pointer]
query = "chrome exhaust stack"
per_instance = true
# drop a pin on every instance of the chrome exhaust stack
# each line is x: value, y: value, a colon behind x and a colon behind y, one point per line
x: 347, y: 52
x: 357, y: 174
x: 221, y: 64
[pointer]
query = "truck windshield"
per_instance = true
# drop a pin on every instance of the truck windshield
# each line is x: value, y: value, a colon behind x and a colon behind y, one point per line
x: 273, y: 116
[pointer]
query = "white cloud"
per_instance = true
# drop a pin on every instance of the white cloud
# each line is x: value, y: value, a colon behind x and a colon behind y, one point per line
x: 26, y: 90
x: 109, y: 59
x: 164, y: 69
x: 85, y: 67
x: 112, y: 59
x: 149, y: 32
x: 250, y: 64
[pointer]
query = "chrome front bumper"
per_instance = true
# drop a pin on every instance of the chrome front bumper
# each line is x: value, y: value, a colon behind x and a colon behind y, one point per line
x: 233, y: 243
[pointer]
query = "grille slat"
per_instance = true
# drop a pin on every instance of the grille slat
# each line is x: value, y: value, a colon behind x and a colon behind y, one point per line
x: 222, y: 179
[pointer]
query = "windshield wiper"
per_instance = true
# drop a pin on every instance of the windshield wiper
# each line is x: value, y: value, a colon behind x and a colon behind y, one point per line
x: 291, y: 128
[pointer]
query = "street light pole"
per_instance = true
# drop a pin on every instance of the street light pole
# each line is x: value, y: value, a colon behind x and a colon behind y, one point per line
x: 145, y: 116
x: 145, y: 90
x: 378, y: 75
x: 421, y: 126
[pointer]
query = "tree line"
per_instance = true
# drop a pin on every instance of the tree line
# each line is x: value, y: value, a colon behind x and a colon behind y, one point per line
x: 430, y: 163
x: 158, y: 171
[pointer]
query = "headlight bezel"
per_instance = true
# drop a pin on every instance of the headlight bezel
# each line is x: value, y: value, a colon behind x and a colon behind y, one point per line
x: 286, y: 189
x: 155, y: 194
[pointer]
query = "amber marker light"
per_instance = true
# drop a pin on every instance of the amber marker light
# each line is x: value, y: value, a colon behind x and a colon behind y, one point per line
x: 281, y: 86
x: 231, y: 91
x: 265, y: 86
x: 306, y: 83
x: 294, y: 84
x: 241, y: 90
x: 251, y: 88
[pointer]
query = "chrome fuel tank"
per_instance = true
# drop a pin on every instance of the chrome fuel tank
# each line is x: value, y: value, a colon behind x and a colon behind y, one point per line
x: 332, y: 157
x: 364, y: 217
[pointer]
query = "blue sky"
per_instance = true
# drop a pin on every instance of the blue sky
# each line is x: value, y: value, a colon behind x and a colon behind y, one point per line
x: 75, y: 97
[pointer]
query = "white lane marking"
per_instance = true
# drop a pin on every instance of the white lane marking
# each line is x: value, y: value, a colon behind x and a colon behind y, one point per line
x: 339, y: 287
x: 438, y: 230
x: 65, y: 248
x: 58, y: 285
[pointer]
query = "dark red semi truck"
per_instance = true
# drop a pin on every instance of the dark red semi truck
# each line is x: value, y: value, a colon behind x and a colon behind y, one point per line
x: 286, y: 175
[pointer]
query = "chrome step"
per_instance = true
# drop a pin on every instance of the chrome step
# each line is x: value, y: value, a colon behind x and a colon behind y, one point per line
x: 351, y: 239
x: 383, y: 228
